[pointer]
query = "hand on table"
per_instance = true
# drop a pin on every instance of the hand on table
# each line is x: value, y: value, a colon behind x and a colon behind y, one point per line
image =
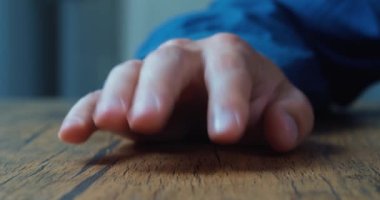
x: 243, y: 93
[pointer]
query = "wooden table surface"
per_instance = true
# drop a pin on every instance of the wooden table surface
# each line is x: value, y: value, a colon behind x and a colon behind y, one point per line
x: 340, y: 161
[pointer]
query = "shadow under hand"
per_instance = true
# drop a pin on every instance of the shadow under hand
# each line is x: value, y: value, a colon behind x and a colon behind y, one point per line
x: 202, y: 157
x: 205, y: 158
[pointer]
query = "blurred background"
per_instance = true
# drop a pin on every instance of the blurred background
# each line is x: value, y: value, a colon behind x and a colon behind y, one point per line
x: 66, y: 48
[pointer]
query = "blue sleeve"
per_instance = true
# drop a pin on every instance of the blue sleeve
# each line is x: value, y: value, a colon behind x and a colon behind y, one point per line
x: 312, y: 60
x: 345, y: 36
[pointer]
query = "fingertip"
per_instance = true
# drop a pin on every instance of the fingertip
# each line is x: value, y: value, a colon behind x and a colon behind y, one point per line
x: 144, y: 119
x: 226, y: 127
x: 288, y: 120
x: 281, y: 130
x: 145, y: 122
x: 74, y: 131
x: 149, y: 113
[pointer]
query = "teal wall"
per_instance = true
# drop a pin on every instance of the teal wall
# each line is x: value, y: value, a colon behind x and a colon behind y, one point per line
x: 67, y: 47
x: 63, y: 47
x: 142, y: 16
x: 89, y: 44
x: 27, y: 47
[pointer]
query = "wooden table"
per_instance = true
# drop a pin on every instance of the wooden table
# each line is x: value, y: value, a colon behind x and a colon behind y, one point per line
x: 340, y: 161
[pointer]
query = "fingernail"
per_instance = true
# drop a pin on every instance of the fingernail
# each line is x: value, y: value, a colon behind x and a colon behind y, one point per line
x: 71, y: 121
x: 223, y: 120
x: 292, y: 129
x: 146, y: 104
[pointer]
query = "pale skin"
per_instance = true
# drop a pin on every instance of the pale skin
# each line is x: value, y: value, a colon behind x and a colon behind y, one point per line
x: 246, y: 97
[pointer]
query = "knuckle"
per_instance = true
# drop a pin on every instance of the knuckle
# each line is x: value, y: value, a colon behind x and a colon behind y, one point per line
x: 176, y: 52
x: 116, y: 71
x: 121, y: 67
x: 230, y: 61
x: 133, y: 63
x: 232, y: 40
x: 227, y: 38
x: 92, y: 94
x: 176, y: 42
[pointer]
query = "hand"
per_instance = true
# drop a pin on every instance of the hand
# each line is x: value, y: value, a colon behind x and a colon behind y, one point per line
x: 246, y: 96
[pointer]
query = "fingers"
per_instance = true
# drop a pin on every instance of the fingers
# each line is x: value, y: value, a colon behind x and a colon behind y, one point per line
x: 288, y: 119
x: 117, y: 95
x: 78, y: 126
x: 164, y: 75
x: 244, y: 90
x: 236, y: 82
x: 229, y: 85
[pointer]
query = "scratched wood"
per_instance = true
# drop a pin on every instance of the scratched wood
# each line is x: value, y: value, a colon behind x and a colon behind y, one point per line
x: 340, y: 161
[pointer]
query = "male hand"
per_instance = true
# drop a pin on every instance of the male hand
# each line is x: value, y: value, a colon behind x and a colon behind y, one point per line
x: 246, y: 97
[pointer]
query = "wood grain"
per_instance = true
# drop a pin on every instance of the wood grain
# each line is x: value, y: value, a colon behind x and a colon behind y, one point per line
x: 340, y: 161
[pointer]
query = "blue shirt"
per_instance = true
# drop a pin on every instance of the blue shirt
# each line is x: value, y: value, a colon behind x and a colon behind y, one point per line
x: 330, y: 49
